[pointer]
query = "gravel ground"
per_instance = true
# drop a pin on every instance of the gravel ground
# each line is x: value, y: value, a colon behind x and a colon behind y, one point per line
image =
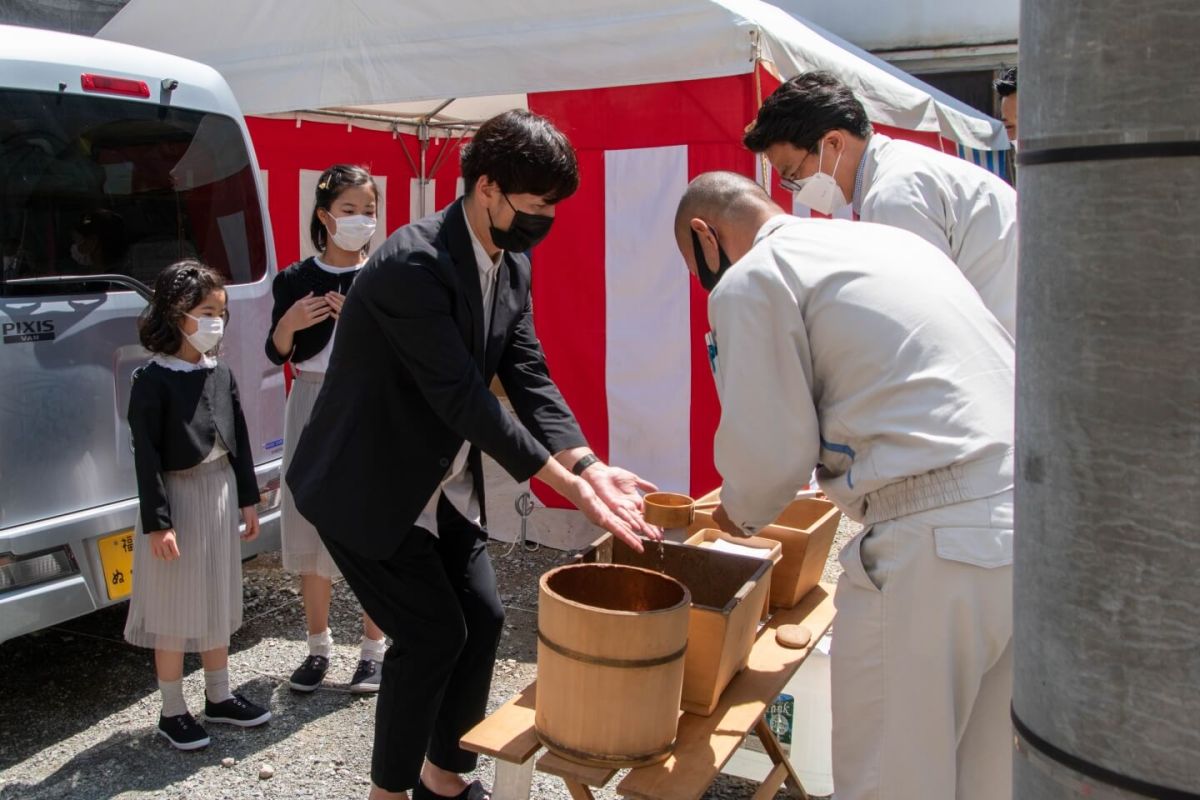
x: 80, y: 705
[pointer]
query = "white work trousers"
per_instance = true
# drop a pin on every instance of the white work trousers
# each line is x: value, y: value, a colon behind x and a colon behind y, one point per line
x: 922, y: 657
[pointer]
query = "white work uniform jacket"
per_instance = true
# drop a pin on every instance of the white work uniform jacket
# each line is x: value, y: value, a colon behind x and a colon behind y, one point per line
x: 862, y: 348
x: 960, y: 208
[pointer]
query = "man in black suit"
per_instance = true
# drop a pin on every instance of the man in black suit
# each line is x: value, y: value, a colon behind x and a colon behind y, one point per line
x: 389, y: 470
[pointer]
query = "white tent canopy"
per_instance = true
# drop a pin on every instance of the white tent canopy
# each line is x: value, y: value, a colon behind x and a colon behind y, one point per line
x: 381, y: 59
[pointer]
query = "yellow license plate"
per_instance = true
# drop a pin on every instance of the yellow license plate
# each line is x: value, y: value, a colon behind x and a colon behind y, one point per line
x: 116, y: 557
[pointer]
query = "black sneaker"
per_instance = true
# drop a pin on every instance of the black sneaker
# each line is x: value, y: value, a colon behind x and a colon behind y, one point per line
x: 366, y: 677
x: 308, y: 676
x: 183, y: 732
x: 237, y: 710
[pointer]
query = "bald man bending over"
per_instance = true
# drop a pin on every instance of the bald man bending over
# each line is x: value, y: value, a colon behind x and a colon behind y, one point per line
x: 861, y: 349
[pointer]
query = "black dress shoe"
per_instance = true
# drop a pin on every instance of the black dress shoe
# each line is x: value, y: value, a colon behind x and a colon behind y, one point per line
x: 474, y: 791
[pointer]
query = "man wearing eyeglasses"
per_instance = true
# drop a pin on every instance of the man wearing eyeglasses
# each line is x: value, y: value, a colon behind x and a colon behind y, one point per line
x: 816, y: 135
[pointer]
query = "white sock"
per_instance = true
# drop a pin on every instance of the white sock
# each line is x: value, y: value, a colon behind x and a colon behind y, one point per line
x: 373, y: 650
x: 216, y: 685
x: 172, y: 698
x: 320, y: 644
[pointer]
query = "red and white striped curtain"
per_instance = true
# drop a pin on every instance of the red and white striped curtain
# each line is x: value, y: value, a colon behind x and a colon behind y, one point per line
x: 621, y: 320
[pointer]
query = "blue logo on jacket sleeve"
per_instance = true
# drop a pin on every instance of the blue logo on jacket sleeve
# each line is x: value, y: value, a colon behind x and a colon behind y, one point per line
x: 844, y: 449
x: 710, y: 343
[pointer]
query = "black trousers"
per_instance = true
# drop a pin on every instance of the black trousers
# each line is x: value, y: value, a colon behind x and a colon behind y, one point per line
x: 436, y: 598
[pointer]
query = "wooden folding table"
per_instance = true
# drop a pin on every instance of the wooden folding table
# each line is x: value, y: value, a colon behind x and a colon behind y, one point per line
x: 703, y: 744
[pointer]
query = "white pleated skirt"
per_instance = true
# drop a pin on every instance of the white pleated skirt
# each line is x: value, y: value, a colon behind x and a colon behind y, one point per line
x: 193, y: 603
x: 303, y: 550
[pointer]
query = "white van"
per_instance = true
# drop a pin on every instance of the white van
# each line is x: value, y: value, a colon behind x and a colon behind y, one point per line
x: 115, y: 161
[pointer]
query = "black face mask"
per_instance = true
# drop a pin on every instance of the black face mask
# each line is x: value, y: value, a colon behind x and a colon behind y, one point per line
x: 525, y: 231
x: 708, y: 278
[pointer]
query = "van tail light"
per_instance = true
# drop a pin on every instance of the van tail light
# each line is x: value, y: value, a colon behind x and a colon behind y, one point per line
x: 17, y: 572
x: 268, y: 496
x: 110, y: 85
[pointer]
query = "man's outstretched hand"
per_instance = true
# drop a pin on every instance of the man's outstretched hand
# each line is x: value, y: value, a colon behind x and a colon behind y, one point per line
x: 621, y: 491
x: 581, y: 494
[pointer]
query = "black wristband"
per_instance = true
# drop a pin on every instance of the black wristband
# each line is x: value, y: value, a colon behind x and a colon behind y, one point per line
x: 584, y: 463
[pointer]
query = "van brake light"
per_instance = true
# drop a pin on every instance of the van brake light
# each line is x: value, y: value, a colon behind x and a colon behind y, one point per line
x: 110, y: 85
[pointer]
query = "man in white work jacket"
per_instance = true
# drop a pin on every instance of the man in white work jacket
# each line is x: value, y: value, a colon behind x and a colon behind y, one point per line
x: 816, y: 135
x: 860, y: 349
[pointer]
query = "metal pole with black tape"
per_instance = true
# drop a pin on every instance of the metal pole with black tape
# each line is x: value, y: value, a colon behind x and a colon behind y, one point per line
x: 1106, y: 701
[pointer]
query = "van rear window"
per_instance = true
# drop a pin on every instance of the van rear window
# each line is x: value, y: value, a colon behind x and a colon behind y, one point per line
x: 92, y: 185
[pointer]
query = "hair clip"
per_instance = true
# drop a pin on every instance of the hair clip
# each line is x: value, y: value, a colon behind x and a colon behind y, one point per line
x: 323, y: 185
x: 183, y: 276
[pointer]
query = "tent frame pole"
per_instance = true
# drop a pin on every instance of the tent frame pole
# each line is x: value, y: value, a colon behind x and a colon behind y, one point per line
x: 423, y: 141
x: 441, y: 156
x: 422, y: 176
x: 756, y: 59
x: 408, y: 156
x: 423, y: 138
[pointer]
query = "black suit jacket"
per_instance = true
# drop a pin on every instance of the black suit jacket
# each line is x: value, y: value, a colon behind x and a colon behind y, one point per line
x: 408, y: 383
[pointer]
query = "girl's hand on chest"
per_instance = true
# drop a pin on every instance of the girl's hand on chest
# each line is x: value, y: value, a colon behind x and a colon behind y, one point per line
x: 306, y: 312
x: 335, y: 301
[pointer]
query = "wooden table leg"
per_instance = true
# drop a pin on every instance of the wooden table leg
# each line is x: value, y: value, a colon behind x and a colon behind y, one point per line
x: 779, y: 759
x: 513, y: 781
x: 578, y: 790
x: 770, y: 784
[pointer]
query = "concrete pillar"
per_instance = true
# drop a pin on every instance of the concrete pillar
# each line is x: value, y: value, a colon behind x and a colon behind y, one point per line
x: 1107, y: 579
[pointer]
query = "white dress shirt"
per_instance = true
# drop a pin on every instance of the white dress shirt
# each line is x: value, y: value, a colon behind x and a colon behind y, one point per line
x: 860, y: 347
x: 458, y: 484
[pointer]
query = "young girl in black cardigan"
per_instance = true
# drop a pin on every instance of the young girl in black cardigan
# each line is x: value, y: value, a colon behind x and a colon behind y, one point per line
x: 308, y: 298
x: 194, y: 471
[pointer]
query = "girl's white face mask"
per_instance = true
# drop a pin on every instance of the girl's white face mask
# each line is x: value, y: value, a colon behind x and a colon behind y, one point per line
x: 209, y: 331
x: 353, y: 232
x: 820, y: 191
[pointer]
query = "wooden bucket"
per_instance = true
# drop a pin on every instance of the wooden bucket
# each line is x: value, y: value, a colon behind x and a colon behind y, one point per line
x: 728, y: 595
x: 668, y: 509
x: 611, y: 644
